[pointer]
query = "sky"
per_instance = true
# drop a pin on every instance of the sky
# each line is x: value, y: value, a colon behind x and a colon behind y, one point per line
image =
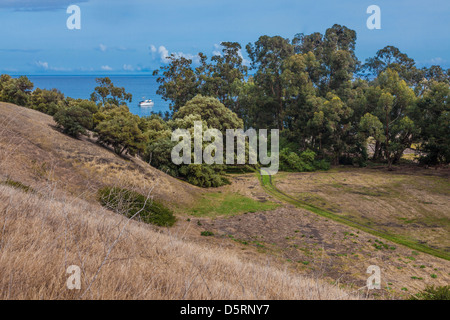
x: 135, y: 36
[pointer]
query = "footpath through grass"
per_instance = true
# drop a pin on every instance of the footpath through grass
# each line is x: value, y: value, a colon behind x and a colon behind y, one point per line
x: 269, y: 187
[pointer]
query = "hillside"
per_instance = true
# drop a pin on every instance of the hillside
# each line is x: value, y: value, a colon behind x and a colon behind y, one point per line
x: 50, y: 220
x: 34, y: 152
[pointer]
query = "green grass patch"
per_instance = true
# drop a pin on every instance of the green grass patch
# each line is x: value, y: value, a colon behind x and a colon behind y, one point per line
x: 222, y: 204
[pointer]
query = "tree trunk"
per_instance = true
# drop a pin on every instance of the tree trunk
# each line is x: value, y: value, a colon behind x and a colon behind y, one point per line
x: 377, y: 151
x: 387, y: 153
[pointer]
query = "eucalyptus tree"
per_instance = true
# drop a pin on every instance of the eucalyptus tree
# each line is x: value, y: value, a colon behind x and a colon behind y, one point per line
x: 106, y: 92
x: 392, y: 102
x: 267, y: 56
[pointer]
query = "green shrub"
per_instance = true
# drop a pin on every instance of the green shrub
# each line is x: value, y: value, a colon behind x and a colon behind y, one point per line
x: 204, y: 175
x: 74, y: 120
x: 47, y: 101
x: 158, y: 154
x: 207, y: 233
x: 433, y: 293
x: 128, y: 203
x: 119, y: 129
x: 15, y: 90
x: 292, y: 162
x: 322, y: 165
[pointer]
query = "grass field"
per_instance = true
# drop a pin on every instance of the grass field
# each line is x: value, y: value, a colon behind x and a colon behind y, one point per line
x: 409, y: 208
x: 228, y: 204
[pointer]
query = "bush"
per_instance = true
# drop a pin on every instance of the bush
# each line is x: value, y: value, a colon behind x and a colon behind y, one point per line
x: 74, y: 120
x: 433, y: 293
x: 128, y: 203
x: 15, y: 90
x: 322, y: 165
x: 47, y: 101
x: 158, y: 154
x: 83, y: 103
x: 204, y: 175
x: 119, y: 128
x: 292, y: 162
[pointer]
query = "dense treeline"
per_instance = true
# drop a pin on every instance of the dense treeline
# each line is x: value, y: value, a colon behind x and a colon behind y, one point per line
x: 322, y: 98
x: 327, y: 105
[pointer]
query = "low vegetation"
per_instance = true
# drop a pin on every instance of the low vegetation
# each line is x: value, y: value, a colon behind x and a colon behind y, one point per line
x: 17, y: 185
x: 135, y: 205
x: 433, y: 293
x: 227, y: 204
x: 74, y: 120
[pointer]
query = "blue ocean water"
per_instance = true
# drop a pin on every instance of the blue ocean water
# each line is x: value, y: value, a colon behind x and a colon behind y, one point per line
x: 82, y: 86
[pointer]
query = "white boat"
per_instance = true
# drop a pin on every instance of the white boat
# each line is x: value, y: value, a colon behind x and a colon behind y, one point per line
x: 146, y: 103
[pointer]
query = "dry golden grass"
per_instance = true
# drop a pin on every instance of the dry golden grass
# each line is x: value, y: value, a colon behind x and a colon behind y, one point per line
x: 41, y: 235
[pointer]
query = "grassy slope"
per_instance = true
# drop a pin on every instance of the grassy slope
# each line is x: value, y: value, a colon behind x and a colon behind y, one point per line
x: 34, y: 152
x: 42, y: 235
x: 59, y: 223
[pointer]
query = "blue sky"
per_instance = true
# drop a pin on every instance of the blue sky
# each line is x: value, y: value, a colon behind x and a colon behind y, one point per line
x: 133, y: 36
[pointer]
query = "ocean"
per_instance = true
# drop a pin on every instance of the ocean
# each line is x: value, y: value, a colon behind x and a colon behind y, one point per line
x: 82, y: 86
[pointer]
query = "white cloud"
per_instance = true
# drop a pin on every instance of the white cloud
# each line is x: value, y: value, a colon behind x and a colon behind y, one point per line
x: 164, y: 54
x: 245, y: 62
x: 103, y: 48
x: 195, y: 58
x: 128, y: 67
x: 106, y: 68
x: 45, y: 65
x: 217, y: 51
x: 42, y: 64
